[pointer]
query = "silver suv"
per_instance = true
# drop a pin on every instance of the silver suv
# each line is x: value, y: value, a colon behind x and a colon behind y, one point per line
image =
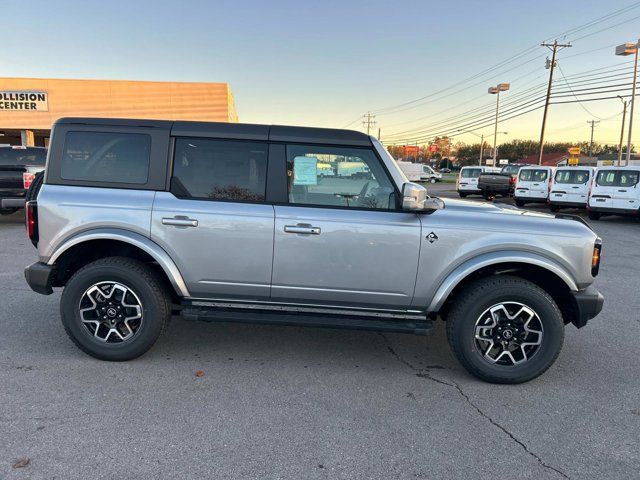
x: 141, y: 219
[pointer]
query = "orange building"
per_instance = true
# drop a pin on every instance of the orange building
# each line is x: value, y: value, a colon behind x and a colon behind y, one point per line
x: 29, y: 106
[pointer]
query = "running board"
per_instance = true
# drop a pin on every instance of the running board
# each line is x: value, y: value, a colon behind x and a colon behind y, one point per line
x: 268, y: 317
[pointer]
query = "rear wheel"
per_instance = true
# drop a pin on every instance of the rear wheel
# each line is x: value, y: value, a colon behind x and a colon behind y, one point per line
x: 462, y: 194
x: 8, y: 211
x: 594, y: 215
x: 519, y: 203
x: 433, y: 180
x: 554, y: 208
x: 505, y: 329
x: 115, y: 308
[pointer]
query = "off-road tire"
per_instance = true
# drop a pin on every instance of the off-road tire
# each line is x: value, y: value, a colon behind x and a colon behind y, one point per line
x: 483, y: 294
x: 143, y: 281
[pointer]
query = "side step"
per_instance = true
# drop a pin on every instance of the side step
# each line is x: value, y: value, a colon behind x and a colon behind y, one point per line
x: 213, y: 314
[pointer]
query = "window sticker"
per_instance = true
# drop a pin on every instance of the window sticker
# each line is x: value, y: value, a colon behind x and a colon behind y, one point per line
x: 305, y: 171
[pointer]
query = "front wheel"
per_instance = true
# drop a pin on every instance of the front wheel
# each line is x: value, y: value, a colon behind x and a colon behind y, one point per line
x: 115, y: 308
x: 433, y: 180
x: 594, y: 215
x: 505, y: 329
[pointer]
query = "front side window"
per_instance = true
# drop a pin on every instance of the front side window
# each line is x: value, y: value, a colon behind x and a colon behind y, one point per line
x: 338, y: 176
x: 219, y: 170
x: 572, y: 176
x: 530, y: 175
x: 106, y: 157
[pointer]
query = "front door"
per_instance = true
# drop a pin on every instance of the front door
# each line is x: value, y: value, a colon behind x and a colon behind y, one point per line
x: 341, y: 240
x: 214, y: 222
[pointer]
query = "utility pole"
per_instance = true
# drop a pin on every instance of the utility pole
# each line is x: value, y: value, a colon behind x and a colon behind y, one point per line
x: 481, y: 149
x: 593, y: 124
x: 633, y: 104
x: 378, y: 133
x: 554, y: 48
x: 624, y: 115
x: 369, y: 121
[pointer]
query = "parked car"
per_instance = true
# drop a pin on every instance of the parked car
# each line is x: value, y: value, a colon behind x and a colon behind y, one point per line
x: 570, y: 187
x: 532, y: 185
x: 445, y: 170
x: 492, y: 184
x: 615, y: 191
x: 137, y: 220
x: 467, y: 180
x: 419, y: 172
x: 18, y: 167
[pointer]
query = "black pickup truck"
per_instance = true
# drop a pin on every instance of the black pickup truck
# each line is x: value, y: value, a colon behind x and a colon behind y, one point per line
x: 18, y: 167
x: 501, y: 183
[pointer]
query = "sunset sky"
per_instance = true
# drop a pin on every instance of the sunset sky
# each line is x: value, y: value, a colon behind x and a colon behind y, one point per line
x: 326, y: 63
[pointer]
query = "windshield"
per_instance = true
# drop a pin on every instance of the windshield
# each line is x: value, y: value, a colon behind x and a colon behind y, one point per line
x: 23, y: 156
x: 617, y: 178
x: 572, y: 176
x: 531, y: 175
x: 511, y: 169
x: 470, y: 172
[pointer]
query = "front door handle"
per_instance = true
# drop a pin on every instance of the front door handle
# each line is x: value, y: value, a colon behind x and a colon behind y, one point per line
x: 180, y: 221
x: 302, y: 228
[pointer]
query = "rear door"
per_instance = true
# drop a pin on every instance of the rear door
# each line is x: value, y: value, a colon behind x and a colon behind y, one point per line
x: 342, y: 240
x: 469, y: 178
x: 578, y: 188
x: 214, y: 221
x: 603, y: 189
x: 625, y: 195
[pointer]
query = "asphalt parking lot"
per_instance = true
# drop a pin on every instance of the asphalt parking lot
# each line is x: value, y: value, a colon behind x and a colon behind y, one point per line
x: 288, y: 402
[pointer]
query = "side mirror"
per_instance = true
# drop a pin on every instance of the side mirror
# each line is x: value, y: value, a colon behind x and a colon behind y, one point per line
x: 413, y: 196
x: 433, y: 203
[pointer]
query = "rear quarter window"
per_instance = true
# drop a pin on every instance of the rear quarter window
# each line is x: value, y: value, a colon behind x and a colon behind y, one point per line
x: 470, y: 172
x: 23, y: 156
x: 106, y: 157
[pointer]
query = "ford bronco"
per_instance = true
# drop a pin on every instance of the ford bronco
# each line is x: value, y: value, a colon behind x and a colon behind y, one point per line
x: 138, y: 220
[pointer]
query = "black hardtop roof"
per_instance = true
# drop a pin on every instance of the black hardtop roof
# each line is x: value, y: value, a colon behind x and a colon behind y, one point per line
x: 238, y: 131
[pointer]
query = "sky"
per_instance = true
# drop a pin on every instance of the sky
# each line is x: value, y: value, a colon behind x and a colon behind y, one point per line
x: 328, y: 62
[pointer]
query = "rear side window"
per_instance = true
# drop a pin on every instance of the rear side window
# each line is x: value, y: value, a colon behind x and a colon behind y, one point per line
x: 219, y: 170
x: 572, y: 176
x: 470, y: 172
x: 617, y: 178
x: 106, y: 157
x: 530, y: 175
x: 23, y: 156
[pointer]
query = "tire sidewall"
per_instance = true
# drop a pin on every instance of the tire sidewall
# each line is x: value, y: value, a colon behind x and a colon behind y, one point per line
x: 553, y: 334
x: 149, y: 329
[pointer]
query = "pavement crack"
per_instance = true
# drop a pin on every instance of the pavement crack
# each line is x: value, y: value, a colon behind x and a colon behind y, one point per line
x: 425, y: 373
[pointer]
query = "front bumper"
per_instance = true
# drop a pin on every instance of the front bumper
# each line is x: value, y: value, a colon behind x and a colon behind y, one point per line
x: 588, y: 304
x: 40, y: 276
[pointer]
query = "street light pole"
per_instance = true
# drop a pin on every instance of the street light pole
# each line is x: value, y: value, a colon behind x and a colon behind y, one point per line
x: 633, y: 104
x: 501, y: 87
x: 625, y: 49
x: 624, y: 114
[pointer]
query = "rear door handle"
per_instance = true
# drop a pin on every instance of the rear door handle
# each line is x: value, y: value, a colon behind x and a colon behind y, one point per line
x: 180, y: 221
x: 304, y: 229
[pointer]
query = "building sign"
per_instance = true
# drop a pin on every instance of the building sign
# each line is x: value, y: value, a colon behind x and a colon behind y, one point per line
x: 24, y: 100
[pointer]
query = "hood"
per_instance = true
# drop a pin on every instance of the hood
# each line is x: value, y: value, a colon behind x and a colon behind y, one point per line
x: 477, y: 207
